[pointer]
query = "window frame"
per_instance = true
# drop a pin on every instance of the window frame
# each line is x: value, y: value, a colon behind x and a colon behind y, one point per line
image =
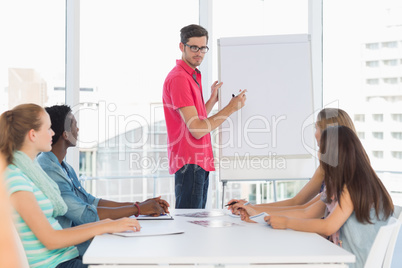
x: 315, y: 13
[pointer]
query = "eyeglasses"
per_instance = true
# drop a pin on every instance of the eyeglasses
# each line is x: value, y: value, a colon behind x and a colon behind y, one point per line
x: 196, y: 49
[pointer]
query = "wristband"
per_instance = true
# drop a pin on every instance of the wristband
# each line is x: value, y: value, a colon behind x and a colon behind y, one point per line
x: 138, y: 209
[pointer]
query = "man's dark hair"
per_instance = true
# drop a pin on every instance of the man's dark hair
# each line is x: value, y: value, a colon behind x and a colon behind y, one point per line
x: 192, y: 30
x: 58, y: 115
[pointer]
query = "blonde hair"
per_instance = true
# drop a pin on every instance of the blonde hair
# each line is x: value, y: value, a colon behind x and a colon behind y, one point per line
x: 15, y: 124
x: 332, y: 117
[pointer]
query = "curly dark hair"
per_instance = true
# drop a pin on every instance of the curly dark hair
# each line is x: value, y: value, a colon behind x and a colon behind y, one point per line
x: 58, y: 115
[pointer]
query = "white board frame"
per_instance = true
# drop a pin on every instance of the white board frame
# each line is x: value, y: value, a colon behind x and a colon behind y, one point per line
x: 282, y: 56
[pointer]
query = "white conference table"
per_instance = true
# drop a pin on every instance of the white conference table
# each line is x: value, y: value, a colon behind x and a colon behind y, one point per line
x: 241, y: 245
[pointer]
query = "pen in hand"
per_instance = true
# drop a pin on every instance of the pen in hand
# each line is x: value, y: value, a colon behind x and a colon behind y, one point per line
x: 231, y: 203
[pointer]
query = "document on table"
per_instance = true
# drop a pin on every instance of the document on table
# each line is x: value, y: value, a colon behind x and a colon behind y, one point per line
x: 151, y: 231
x: 147, y: 217
x: 214, y: 223
x: 259, y: 218
x: 203, y: 214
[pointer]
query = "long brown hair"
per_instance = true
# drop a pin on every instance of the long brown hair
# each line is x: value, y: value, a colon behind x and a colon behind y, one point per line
x: 334, y: 116
x: 15, y: 124
x: 346, y: 164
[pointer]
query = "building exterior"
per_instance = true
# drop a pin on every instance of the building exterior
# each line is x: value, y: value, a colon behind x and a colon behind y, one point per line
x: 25, y: 85
x: 378, y: 117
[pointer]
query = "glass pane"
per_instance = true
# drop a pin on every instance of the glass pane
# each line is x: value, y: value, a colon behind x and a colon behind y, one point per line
x: 362, y: 75
x: 127, y: 48
x: 254, y: 18
x: 257, y: 17
x: 32, y: 52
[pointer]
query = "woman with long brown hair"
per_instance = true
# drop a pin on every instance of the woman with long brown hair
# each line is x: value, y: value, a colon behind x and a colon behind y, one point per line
x: 361, y: 203
x: 309, y: 194
x: 25, y: 131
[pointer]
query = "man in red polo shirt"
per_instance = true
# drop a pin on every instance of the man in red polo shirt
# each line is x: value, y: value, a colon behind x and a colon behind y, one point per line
x: 188, y: 125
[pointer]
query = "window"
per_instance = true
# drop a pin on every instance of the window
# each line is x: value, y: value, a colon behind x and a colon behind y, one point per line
x: 361, y: 135
x: 372, y: 46
x: 378, y: 135
x: 396, y: 135
x: 263, y: 18
x: 378, y: 117
x: 396, y: 117
x: 372, y: 81
x: 87, y: 89
x: 360, y: 90
x: 32, y: 57
x: 117, y: 92
x: 391, y: 44
x: 393, y: 62
x: 396, y: 154
x: 360, y: 118
x: 86, y: 163
x: 372, y: 63
x: 122, y: 132
x: 127, y: 123
x: 392, y: 80
x: 378, y: 154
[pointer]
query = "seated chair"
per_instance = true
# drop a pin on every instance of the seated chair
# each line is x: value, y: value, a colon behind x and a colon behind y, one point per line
x: 382, y: 244
x: 20, y: 248
x: 391, y: 259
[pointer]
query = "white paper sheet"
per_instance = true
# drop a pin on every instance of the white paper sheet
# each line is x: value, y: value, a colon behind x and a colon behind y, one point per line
x: 161, y: 217
x: 259, y: 218
x: 214, y: 223
x: 151, y: 231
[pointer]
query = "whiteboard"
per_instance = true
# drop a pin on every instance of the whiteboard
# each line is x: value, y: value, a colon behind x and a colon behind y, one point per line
x: 267, y: 139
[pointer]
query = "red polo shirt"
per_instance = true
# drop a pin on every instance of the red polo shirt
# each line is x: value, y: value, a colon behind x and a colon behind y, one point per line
x: 180, y: 90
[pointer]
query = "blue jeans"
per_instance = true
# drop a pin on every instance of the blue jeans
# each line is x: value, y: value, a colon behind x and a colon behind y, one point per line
x: 73, y: 263
x: 191, y: 186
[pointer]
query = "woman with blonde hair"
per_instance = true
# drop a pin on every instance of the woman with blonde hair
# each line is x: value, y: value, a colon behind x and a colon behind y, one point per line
x: 25, y: 131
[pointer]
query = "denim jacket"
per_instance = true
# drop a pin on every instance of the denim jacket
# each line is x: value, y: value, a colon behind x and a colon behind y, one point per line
x: 81, y: 205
